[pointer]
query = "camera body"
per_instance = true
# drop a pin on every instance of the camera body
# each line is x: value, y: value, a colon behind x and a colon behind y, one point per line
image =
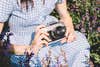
x: 56, y: 31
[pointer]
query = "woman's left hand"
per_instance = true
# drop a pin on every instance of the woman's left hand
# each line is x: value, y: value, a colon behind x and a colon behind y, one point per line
x: 69, y: 35
x: 66, y: 18
x: 70, y: 32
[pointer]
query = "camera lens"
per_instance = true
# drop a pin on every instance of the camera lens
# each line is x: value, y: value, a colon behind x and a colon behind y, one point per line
x: 60, y: 31
x: 57, y: 31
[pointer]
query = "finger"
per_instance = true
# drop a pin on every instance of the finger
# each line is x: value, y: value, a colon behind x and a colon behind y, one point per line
x: 40, y: 32
x: 44, y: 37
x: 71, y: 38
x: 39, y: 27
x: 43, y: 42
x: 44, y: 31
x: 67, y: 33
x: 63, y: 40
x: 29, y: 51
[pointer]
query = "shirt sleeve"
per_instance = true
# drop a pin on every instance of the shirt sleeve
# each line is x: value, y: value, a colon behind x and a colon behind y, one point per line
x: 6, y: 8
x: 82, y: 59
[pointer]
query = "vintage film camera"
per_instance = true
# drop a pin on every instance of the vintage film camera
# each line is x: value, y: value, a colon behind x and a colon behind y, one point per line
x: 56, y: 31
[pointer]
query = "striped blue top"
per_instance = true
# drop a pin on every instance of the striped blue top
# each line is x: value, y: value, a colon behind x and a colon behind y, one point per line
x: 23, y: 23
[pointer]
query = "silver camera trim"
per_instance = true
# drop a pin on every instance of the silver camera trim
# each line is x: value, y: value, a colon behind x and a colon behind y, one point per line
x: 48, y: 28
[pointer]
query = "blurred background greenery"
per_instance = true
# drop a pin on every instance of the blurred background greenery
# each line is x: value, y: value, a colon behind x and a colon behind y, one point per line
x: 86, y: 19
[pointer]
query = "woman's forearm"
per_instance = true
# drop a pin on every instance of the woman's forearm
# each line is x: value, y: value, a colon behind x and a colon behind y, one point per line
x: 15, y: 49
x: 18, y: 49
x: 1, y: 26
x: 1, y: 43
x: 21, y: 49
x: 68, y: 22
x: 64, y: 14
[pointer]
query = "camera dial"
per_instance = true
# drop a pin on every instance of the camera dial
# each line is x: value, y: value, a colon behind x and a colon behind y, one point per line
x: 60, y: 31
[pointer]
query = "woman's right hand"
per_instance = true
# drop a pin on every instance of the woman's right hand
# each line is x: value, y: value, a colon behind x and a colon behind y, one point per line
x: 40, y: 39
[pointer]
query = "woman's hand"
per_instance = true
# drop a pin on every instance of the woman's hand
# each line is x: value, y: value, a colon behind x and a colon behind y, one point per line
x: 67, y: 20
x: 69, y: 35
x: 40, y: 39
x: 70, y: 32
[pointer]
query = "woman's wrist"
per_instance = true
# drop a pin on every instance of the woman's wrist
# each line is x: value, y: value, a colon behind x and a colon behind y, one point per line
x: 69, y: 26
x: 67, y: 22
x: 34, y: 48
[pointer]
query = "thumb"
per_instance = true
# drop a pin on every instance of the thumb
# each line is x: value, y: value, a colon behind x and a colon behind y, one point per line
x: 63, y: 40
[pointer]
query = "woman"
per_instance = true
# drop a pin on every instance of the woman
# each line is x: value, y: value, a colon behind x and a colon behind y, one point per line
x: 25, y: 15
